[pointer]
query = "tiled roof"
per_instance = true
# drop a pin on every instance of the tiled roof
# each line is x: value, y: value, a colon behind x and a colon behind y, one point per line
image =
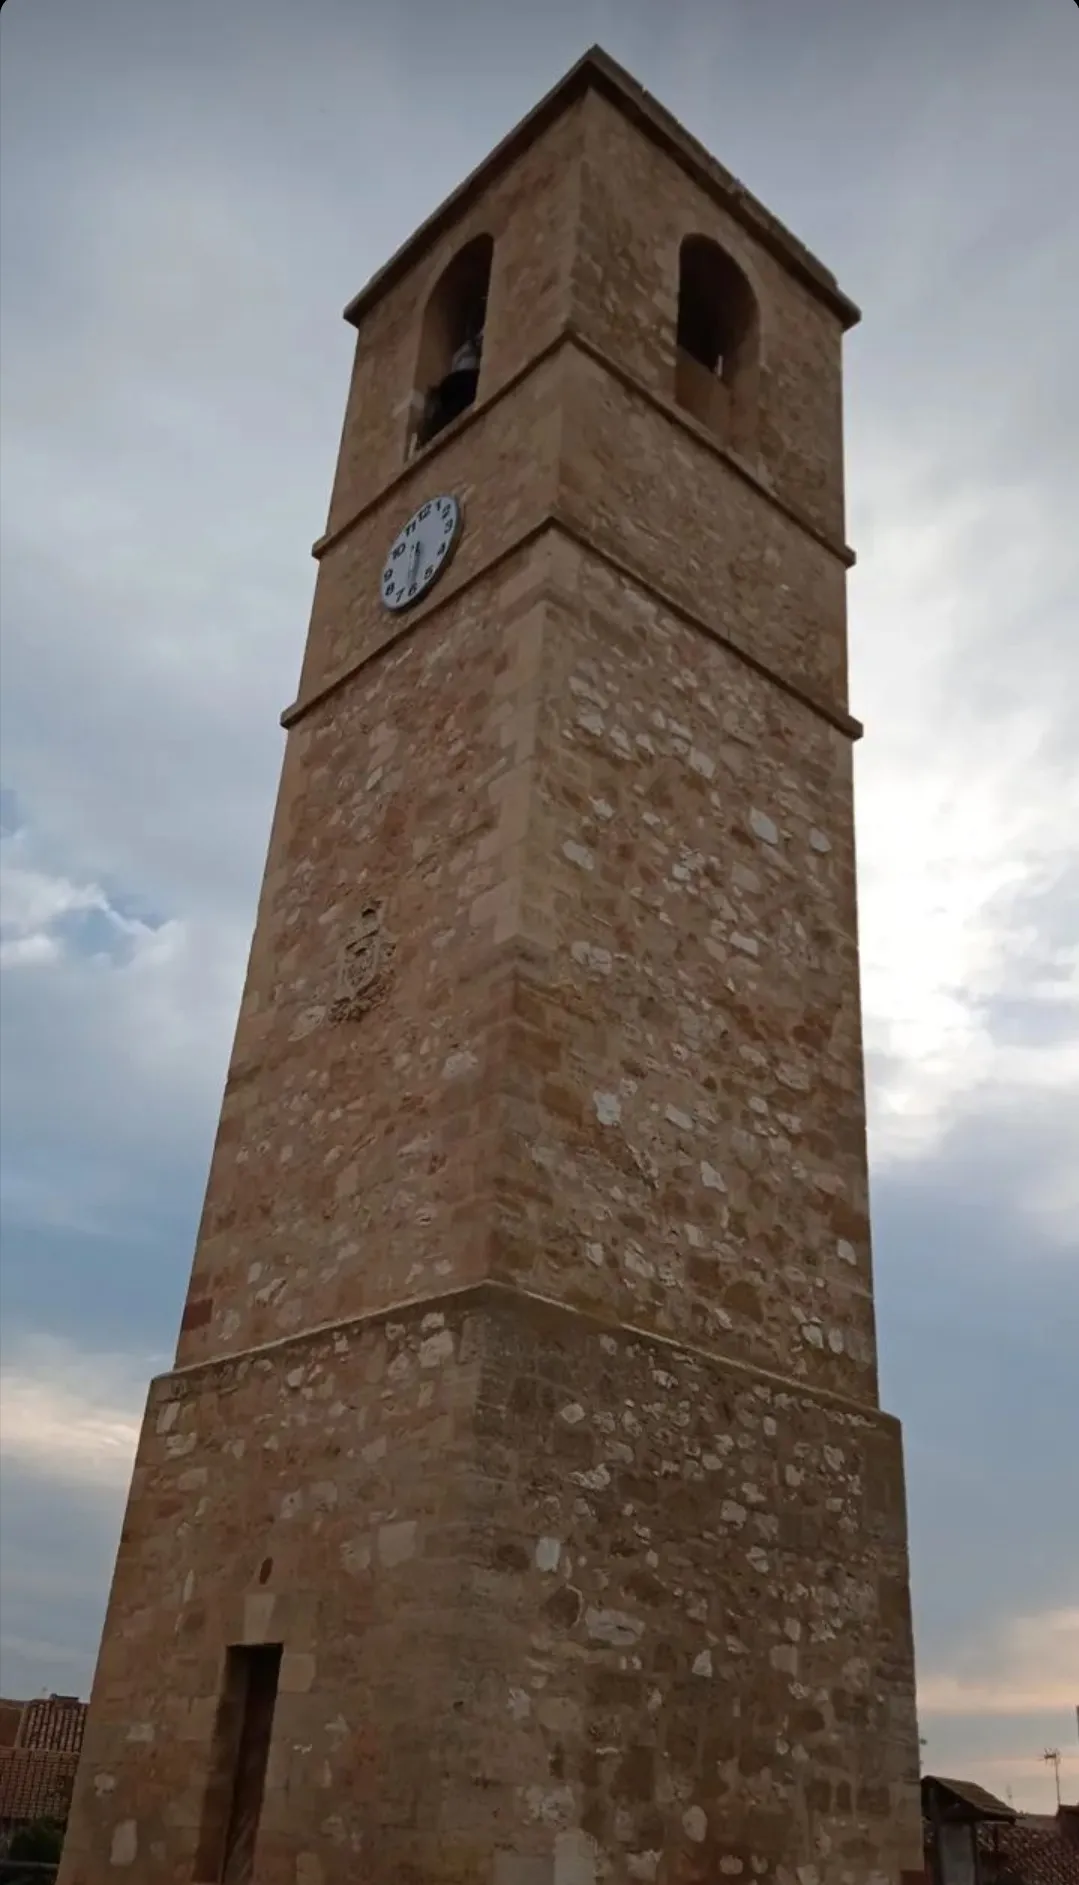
x: 35, y: 1784
x: 968, y: 1793
x: 1035, y: 1853
x: 54, y: 1721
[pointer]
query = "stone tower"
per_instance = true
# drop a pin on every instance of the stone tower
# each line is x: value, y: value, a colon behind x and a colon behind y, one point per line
x: 520, y: 1510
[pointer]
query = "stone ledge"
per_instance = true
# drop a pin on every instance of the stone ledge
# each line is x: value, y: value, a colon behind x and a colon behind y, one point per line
x: 571, y: 336
x: 838, y: 717
x: 494, y: 1294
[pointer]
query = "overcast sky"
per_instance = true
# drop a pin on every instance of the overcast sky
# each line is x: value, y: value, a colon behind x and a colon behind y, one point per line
x: 189, y: 197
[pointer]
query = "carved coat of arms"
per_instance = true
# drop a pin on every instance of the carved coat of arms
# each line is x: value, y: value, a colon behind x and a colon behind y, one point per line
x: 363, y: 971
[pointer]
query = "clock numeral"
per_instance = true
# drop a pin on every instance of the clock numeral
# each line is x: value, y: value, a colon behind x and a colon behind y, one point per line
x: 398, y: 550
x: 425, y: 512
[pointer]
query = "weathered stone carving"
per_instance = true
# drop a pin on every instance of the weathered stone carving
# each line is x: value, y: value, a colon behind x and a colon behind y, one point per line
x: 363, y: 972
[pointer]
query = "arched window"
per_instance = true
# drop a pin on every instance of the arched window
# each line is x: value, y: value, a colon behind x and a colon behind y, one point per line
x: 717, y: 341
x: 451, y: 342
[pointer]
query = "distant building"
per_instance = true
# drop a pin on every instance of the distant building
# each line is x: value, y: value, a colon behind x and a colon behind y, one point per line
x: 1036, y: 1849
x: 957, y: 1814
x: 972, y: 1838
x: 39, y: 1753
x: 53, y: 1724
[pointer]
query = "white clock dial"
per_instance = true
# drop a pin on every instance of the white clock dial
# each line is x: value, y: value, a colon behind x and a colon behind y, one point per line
x: 420, y: 552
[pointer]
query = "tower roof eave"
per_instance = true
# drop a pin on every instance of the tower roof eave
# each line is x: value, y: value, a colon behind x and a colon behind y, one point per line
x: 596, y: 71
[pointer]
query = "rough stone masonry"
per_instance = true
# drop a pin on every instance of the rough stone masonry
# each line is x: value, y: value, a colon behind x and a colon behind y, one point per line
x: 520, y: 1509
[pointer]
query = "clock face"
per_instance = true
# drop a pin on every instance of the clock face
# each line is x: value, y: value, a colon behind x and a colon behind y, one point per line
x: 420, y: 552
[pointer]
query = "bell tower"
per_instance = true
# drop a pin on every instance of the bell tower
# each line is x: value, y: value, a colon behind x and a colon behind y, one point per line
x: 520, y: 1509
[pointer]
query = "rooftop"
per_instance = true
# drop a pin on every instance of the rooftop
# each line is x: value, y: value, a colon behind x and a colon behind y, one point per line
x: 963, y: 1800
x: 598, y: 72
x: 35, y: 1784
x: 1038, y: 1849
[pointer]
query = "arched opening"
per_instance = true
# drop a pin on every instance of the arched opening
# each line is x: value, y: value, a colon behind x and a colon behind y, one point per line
x: 451, y: 342
x: 717, y: 341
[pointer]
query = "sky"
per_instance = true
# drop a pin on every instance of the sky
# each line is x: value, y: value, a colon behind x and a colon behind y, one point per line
x: 189, y: 196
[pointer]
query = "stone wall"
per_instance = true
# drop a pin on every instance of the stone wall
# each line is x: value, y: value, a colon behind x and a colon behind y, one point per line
x: 357, y: 1153
x: 556, y: 1599
x: 686, y: 1144
x: 651, y: 490
x: 599, y: 1028
x: 636, y: 206
x: 531, y: 211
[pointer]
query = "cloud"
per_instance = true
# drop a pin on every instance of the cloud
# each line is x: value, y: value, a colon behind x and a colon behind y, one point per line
x: 991, y: 1707
x: 967, y: 794
x: 33, y: 901
x: 114, y: 1042
x: 1029, y: 1672
x: 57, y: 1550
x: 69, y: 1416
x: 69, y: 1425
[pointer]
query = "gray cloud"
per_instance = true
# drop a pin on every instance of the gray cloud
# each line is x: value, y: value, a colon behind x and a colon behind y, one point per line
x: 979, y: 1319
x: 56, y: 1567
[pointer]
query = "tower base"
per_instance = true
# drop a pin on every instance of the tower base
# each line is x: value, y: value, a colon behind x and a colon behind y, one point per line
x: 558, y: 1604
